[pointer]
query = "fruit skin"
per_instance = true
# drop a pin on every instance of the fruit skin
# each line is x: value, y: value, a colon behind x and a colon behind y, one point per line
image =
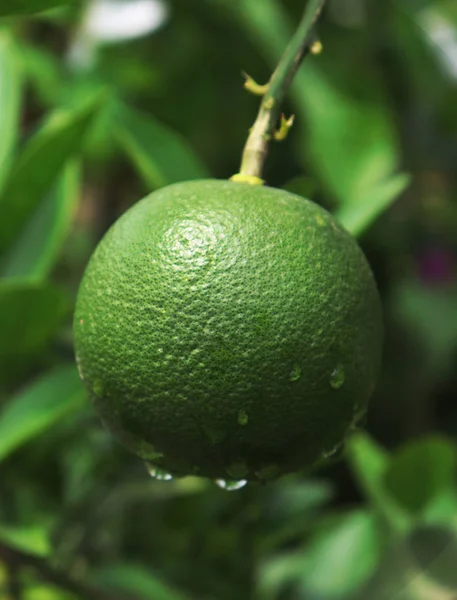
x: 228, y: 330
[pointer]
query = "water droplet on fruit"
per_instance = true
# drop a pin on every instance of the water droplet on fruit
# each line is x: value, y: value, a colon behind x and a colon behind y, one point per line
x: 243, y: 417
x: 295, y: 374
x: 230, y: 486
x: 337, y: 377
x: 157, y: 473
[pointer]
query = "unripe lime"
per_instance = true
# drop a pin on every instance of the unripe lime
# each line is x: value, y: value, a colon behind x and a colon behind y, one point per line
x: 228, y: 330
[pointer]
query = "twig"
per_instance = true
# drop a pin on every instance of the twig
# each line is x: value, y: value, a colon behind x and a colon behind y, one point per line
x: 256, y: 148
x: 17, y: 559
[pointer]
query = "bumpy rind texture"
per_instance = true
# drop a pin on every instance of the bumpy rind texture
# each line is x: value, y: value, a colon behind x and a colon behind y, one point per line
x: 228, y: 330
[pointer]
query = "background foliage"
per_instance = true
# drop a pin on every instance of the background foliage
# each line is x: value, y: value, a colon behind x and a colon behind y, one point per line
x: 92, y: 117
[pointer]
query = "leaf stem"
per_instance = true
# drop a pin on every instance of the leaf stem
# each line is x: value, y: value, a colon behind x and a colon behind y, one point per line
x: 256, y: 148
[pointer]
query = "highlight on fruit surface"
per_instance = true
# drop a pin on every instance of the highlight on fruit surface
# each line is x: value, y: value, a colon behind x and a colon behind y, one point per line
x: 228, y: 330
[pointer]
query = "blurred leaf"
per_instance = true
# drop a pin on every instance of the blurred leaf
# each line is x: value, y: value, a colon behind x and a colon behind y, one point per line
x: 294, y: 496
x: 302, y: 185
x: 38, y: 407
x: 30, y: 314
x: 160, y: 154
x: 27, y: 7
x: 421, y: 471
x: 369, y: 463
x: 38, y: 166
x: 368, y: 460
x: 79, y: 461
x: 423, y: 35
x: 10, y: 100
x: 336, y: 561
x: 42, y: 591
x: 28, y: 539
x: 350, y: 138
x: 435, y: 553
x: 420, y: 567
x: 43, y: 72
x: 136, y: 580
x: 349, y: 551
x: 441, y: 509
x: 267, y: 22
x: 356, y: 217
x: 277, y: 574
x: 35, y: 251
x: 292, y: 507
x: 431, y: 314
x: 100, y: 144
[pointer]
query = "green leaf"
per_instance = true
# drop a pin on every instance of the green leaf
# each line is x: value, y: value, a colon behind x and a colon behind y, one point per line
x: 349, y: 550
x: 427, y: 57
x: 42, y: 69
x: 29, y: 539
x: 46, y: 591
x: 356, y: 217
x: 302, y: 185
x: 278, y: 573
x: 350, y: 138
x: 39, y: 407
x: 435, y: 552
x: 28, y: 7
x: 430, y: 314
x: 30, y: 314
x: 38, y: 166
x: 369, y: 464
x: 421, y: 471
x: 267, y: 23
x: 295, y: 496
x: 294, y: 503
x: 138, y: 581
x: 160, y: 154
x: 10, y: 100
x: 442, y: 509
x: 35, y: 251
x: 348, y: 547
x: 420, y: 567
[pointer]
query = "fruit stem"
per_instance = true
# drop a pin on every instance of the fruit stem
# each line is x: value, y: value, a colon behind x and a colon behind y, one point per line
x: 256, y: 148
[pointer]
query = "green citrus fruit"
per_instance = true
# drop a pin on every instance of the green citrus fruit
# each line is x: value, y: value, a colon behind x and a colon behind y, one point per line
x: 228, y: 330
